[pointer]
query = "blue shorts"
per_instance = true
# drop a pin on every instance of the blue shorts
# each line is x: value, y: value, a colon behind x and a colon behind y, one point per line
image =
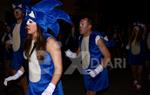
x: 135, y: 59
x: 99, y: 83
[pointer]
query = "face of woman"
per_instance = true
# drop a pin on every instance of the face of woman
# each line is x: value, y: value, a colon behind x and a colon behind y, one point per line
x: 31, y: 26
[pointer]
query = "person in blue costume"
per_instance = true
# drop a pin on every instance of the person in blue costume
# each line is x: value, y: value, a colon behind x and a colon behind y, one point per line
x: 18, y: 36
x: 18, y: 40
x: 42, y: 49
x: 95, y: 57
x: 136, y: 49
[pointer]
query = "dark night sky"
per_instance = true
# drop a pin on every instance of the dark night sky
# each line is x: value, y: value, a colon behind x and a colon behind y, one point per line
x: 120, y: 12
x: 127, y: 8
x: 108, y: 11
x: 120, y: 8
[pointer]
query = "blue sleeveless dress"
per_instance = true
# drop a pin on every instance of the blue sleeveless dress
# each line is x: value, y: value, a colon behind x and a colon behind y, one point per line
x: 40, y: 75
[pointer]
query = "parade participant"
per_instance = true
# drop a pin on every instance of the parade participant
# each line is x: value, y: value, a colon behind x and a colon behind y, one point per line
x: 42, y: 49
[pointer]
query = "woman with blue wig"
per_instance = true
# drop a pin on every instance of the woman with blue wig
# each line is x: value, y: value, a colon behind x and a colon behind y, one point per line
x: 42, y: 49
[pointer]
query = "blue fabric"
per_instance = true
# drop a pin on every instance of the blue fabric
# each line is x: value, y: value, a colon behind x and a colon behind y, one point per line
x: 16, y: 3
x: 136, y: 59
x: 95, y: 53
x: 17, y: 60
x: 46, y: 5
x: 17, y: 57
x: 100, y: 82
x: 22, y: 2
x: 47, y: 17
x: 108, y: 43
x: 47, y: 69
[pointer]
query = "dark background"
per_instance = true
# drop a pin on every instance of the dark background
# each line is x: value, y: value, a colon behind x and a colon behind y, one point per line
x: 107, y: 14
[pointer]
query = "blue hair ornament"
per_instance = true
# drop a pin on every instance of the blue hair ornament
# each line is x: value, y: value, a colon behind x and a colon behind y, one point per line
x: 46, y: 16
x: 20, y: 4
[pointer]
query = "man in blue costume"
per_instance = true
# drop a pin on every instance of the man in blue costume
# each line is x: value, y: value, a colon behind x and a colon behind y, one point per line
x: 18, y: 40
x: 95, y: 57
x: 18, y: 36
x: 42, y: 50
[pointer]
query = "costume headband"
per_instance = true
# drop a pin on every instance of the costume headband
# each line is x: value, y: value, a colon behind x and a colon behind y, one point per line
x: 46, y: 16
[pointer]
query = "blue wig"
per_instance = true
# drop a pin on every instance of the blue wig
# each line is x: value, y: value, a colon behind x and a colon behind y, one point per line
x: 20, y: 4
x: 17, y: 4
x: 46, y: 16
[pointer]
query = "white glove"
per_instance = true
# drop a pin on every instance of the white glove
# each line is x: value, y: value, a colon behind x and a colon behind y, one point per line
x: 14, y: 77
x: 49, y: 90
x: 91, y: 72
x: 95, y: 72
x: 70, y: 54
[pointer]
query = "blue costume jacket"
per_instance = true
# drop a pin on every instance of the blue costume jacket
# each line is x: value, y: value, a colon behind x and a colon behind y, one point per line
x: 17, y: 59
x: 100, y: 82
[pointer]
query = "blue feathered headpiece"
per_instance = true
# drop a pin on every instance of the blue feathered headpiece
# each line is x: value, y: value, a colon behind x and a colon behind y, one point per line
x: 44, y: 14
x: 20, y: 4
x: 17, y: 4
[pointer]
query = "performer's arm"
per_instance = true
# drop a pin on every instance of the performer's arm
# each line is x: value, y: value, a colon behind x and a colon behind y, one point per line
x: 14, y: 77
x: 104, y: 61
x: 105, y: 52
x: 54, y: 49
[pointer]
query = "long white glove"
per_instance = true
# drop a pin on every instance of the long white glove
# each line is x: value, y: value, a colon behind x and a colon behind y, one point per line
x: 70, y: 54
x: 14, y: 77
x: 49, y: 90
x: 96, y: 71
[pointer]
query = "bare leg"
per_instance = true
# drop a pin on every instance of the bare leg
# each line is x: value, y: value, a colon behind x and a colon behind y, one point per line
x: 6, y: 67
x: 139, y: 73
x: 134, y: 73
x: 23, y: 83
